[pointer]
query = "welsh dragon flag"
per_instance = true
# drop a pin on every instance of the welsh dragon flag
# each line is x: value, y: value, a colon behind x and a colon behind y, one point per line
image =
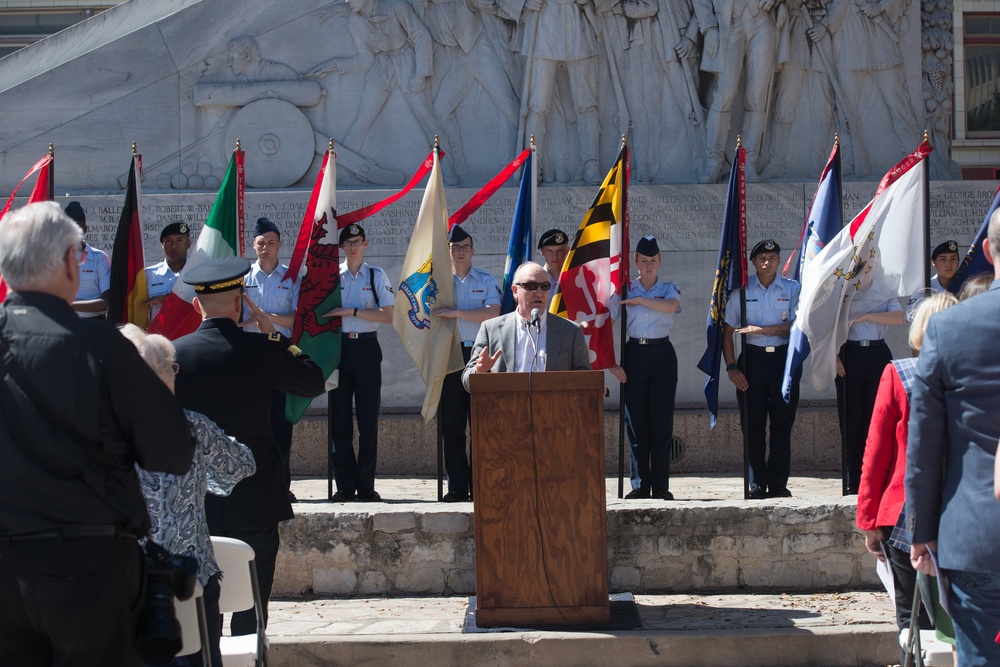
x: 222, y: 236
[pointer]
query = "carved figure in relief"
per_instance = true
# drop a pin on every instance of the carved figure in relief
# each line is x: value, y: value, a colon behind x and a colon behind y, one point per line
x: 803, y: 86
x: 396, y: 50
x: 246, y: 62
x: 740, y: 43
x: 561, y: 33
x: 462, y: 59
x: 869, y: 62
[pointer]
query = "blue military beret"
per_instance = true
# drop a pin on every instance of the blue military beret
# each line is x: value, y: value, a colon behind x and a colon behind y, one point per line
x: 647, y: 247
x: 264, y: 226
x: 175, y: 227
x: 947, y: 246
x: 75, y: 211
x: 767, y: 245
x: 553, y: 237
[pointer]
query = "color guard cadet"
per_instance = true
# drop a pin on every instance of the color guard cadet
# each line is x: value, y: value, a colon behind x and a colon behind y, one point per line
x: 477, y: 299
x: 859, y: 372
x: 175, y: 239
x: 231, y: 377
x: 95, y: 272
x: 266, y: 287
x: 366, y: 295
x: 771, y: 302
x: 553, y: 246
x: 650, y: 373
x: 945, y: 260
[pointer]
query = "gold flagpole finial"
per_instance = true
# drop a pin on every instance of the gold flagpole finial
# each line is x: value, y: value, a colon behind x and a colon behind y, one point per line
x: 437, y: 143
x: 239, y: 145
x: 135, y: 150
x: 331, y: 145
x: 927, y: 136
x: 739, y: 141
x: 624, y: 140
x: 52, y: 150
x: 836, y: 138
x: 532, y: 144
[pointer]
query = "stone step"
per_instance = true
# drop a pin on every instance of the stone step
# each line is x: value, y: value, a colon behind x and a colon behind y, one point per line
x: 708, y: 539
x: 853, y: 628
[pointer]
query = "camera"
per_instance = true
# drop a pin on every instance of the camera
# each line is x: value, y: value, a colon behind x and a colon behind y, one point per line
x: 167, y: 576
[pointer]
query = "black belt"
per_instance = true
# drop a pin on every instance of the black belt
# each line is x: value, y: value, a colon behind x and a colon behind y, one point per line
x: 70, y: 533
x: 865, y: 343
x: 767, y: 348
x: 650, y: 341
x: 366, y: 334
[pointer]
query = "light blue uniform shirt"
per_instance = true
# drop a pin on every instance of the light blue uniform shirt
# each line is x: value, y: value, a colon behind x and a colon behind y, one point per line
x: 645, y: 322
x: 160, y: 281
x: 869, y: 330
x: 95, y: 277
x: 765, y: 306
x: 478, y: 290
x: 271, y: 293
x: 356, y: 292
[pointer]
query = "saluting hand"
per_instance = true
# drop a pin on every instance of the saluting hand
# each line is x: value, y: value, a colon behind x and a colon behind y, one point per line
x: 485, y: 362
x: 259, y: 316
x: 451, y: 313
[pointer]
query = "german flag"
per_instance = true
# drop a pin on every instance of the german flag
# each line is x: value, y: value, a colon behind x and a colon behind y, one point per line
x: 595, y: 267
x: 126, y: 302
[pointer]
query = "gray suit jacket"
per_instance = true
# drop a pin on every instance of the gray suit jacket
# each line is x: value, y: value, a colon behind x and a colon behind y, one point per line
x: 565, y: 346
x: 954, y: 427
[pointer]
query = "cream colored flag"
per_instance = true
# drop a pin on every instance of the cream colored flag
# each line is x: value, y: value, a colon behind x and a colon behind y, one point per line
x: 426, y: 283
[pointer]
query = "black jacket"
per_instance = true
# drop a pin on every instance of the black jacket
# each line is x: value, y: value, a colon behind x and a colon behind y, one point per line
x: 231, y: 376
x: 90, y: 380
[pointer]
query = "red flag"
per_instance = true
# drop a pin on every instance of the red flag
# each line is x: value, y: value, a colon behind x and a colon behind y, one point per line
x: 41, y: 192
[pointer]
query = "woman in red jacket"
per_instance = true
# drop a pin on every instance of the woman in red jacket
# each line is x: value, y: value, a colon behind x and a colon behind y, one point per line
x: 881, y: 495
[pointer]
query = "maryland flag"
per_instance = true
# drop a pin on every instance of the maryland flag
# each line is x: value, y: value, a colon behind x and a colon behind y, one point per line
x: 42, y: 191
x: 593, y: 270
x: 128, y: 274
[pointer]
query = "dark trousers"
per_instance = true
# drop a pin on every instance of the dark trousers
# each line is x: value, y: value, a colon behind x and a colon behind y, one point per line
x: 265, y: 542
x: 361, y: 385
x: 214, y: 622
x: 649, y: 411
x: 904, y: 579
x: 455, y: 403
x: 282, y: 430
x: 70, y: 603
x: 763, y: 401
x: 856, y: 393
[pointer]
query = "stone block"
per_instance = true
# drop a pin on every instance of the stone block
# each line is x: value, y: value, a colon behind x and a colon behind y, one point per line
x: 393, y: 522
x: 807, y: 543
x: 434, y: 552
x: 419, y: 579
x: 373, y: 583
x: 625, y: 579
x: 778, y: 573
x: 837, y: 570
x: 445, y: 522
x: 669, y: 546
x: 334, y: 580
x: 460, y: 582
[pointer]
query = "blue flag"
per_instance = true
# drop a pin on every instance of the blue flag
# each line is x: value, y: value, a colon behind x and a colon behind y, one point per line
x: 975, y: 262
x: 520, y: 231
x: 826, y: 217
x: 730, y: 275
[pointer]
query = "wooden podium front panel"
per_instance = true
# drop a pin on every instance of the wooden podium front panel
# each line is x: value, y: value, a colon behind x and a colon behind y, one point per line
x: 540, y: 511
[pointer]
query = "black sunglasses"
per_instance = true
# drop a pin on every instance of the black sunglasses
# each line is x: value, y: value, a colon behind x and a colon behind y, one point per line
x: 532, y: 286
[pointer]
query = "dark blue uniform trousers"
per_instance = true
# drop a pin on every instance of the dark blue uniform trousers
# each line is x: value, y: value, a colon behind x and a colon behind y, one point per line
x: 360, y: 384
x: 455, y: 404
x: 649, y: 412
x: 856, y: 393
x: 760, y: 402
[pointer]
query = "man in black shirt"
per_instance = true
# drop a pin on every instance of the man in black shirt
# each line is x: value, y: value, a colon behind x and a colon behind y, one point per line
x: 78, y: 409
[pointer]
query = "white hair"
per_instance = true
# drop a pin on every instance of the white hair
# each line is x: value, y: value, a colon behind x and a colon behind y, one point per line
x: 33, y: 244
x: 526, y: 269
x: 156, y: 350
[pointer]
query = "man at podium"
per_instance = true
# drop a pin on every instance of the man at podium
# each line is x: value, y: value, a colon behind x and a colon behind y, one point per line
x: 528, y: 339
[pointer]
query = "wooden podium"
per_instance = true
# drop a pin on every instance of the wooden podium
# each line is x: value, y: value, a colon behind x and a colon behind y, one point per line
x: 540, y: 507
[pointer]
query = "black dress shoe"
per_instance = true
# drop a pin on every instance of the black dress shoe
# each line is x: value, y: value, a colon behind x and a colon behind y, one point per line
x: 780, y: 493
x: 662, y: 494
x: 757, y: 493
x: 455, y: 497
x: 343, y: 496
x: 637, y: 494
x: 369, y: 496
x: 292, y: 498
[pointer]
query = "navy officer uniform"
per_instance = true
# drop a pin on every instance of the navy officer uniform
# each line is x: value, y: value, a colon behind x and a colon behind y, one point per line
x: 231, y: 376
x: 770, y: 307
x: 360, y: 372
x: 651, y: 370
x: 476, y: 290
x: 864, y: 356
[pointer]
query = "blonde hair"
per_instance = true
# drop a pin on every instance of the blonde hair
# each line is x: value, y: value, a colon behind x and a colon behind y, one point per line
x: 156, y: 350
x: 935, y: 303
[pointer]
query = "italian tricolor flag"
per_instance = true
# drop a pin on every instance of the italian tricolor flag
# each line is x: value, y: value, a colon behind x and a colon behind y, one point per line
x: 222, y: 236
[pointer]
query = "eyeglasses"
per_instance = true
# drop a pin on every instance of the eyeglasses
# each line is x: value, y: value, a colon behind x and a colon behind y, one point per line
x: 461, y: 248
x: 353, y: 244
x: 81, y: 252
x: 532, y: 286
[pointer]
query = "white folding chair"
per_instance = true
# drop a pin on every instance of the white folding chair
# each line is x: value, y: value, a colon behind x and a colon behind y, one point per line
x: 239, y: 592
x: 190, y: 614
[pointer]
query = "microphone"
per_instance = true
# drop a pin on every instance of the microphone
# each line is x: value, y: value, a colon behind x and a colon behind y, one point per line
x: 536, y: 315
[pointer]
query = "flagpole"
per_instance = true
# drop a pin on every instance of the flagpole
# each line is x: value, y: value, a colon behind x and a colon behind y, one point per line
x: 844, y: 462
x: 741, y: 359
x: 623, y: 319
x: 440, y: 430
x: 528, y: 251
x: 927, y: 224
x: 52, y: 173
